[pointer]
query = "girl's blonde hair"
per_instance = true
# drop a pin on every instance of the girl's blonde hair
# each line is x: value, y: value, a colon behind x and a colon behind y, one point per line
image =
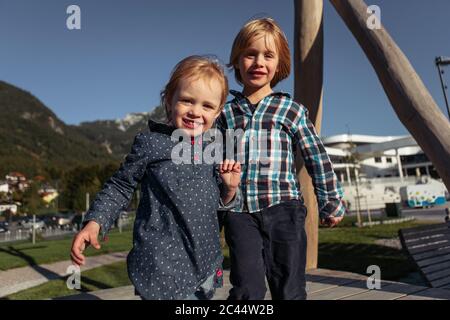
x: 256, y: 28
x: 194, y: 67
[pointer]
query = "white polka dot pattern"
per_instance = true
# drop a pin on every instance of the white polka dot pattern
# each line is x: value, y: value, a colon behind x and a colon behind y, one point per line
x: 176, y: 236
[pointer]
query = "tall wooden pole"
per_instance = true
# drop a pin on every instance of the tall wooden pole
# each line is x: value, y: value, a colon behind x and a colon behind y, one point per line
x: 409, y: 97
x: 308, y: 85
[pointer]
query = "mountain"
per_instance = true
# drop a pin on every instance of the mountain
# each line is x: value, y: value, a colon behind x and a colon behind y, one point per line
x: 34, y: 141
x: 116, y: 136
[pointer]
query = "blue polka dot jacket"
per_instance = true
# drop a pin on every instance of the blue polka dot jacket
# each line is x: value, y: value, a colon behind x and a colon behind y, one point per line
x: 176, y: 243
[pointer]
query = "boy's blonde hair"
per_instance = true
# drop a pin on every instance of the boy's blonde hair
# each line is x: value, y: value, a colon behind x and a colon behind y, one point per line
x: 256, y: 28
x: 194, y: 67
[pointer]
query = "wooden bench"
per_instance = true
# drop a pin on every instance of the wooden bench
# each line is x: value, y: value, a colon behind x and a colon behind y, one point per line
x: 429, y: 247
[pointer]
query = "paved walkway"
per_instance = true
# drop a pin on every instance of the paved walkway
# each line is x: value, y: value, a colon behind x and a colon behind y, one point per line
x: 322, y: 284
x: 18, y: 279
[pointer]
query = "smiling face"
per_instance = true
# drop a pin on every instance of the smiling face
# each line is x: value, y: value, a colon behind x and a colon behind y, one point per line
x: 196, y: 104
x: 258, y: 63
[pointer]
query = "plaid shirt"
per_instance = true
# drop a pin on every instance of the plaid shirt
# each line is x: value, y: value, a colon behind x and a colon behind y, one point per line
x: 267, y: 152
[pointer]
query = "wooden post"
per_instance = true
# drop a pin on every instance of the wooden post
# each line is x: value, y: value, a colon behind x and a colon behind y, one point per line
x: 409, y: 97
x: 308, y: 82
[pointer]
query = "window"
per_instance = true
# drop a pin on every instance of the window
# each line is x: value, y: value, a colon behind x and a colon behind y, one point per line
x: 388, y: 160
x: 378, y: 159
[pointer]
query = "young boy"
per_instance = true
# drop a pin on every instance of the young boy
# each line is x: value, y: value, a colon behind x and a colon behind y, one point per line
x: 266, y: 234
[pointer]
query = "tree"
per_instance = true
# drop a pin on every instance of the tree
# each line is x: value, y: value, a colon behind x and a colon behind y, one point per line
x: 31, y: 198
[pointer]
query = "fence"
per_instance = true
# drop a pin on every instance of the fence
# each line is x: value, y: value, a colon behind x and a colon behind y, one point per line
x: 49, y: 232
x: 25, y: 234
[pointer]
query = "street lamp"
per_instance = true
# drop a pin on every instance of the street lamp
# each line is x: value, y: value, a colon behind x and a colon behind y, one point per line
x: 443, y: 61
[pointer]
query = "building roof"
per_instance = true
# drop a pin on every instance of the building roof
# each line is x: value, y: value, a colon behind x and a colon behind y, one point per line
x: 372, y: 146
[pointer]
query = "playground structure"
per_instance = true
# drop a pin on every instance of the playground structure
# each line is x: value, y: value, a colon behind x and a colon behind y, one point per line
x: 412, y: 102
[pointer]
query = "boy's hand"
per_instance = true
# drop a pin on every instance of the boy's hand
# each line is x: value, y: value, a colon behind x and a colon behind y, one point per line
x: 331, y: 221
x: 230, y: 172
x: 88, y: 235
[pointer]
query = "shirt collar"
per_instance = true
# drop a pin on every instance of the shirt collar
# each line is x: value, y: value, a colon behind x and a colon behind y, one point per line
x: 160, y: 127
x: 240, y: 96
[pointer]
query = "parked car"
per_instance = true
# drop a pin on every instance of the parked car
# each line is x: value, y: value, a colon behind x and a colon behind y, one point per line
x: 61, y: 221
x: 4, y: 227
x: 76, y: 220
x: 28, y: 224
x: 423, y: 195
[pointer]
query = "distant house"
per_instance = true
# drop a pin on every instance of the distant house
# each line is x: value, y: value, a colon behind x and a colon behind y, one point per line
x: 15, y: 178
x: 39, y: 178
x: 4, y: 187
x: 6, y: 207
x: 17, y: 181
x: 48, y: 193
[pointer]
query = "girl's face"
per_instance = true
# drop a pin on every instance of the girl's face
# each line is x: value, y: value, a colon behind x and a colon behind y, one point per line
x: 196, y: 104
x: 258, y: 63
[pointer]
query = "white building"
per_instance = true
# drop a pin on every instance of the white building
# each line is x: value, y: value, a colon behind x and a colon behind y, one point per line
x: 373, y: 169
x: 377, y: 157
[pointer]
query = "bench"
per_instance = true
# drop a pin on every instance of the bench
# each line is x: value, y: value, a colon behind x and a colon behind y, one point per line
x: 429, y: 248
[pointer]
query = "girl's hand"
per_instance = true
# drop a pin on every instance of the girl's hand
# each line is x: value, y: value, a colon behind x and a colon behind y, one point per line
x: 230, y: 172
x: 87, y: 236
x: 331, y: 221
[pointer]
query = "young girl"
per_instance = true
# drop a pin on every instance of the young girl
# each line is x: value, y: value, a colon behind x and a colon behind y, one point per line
x: 176, y: 250
x: 266, y: 234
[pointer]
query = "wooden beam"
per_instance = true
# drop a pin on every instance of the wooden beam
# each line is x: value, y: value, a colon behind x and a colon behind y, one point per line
x: 409, y: 97
x: 308, y: 82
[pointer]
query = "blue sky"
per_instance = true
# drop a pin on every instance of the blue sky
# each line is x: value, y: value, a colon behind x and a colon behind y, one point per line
x: 122, y: 56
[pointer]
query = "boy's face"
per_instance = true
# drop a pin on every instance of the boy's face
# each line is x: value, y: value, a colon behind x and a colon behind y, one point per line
x: 196, y: 104
x: 259, y: 62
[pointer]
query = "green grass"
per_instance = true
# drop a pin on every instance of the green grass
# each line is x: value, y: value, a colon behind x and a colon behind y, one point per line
x: 348, y: 248
x: 48, y: 251
x: 105, y: 277
x: 345, y: 248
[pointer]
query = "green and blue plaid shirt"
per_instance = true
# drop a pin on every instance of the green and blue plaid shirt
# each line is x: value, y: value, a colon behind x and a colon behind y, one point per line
x: 270, y: 131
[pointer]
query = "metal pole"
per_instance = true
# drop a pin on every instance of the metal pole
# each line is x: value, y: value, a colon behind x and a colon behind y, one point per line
x: 368, y: 212
x: 399, y: 164
x: 87, y: 208
x: 358, y: 204
x: 439, y: 60
x: 34, y: 228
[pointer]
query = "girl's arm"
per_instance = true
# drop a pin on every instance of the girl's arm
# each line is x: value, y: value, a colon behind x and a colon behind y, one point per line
x: 118, y: 191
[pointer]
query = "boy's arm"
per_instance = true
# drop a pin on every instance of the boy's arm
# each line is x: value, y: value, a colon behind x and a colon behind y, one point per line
x: 118, y: 191
x: 317, y: 162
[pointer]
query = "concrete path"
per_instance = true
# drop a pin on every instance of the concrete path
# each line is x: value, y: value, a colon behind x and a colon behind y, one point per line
x: 18, y: 279
x: 322, y: 284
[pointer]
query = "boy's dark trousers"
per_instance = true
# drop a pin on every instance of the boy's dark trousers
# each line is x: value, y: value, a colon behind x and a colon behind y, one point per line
x: 271, y: 243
